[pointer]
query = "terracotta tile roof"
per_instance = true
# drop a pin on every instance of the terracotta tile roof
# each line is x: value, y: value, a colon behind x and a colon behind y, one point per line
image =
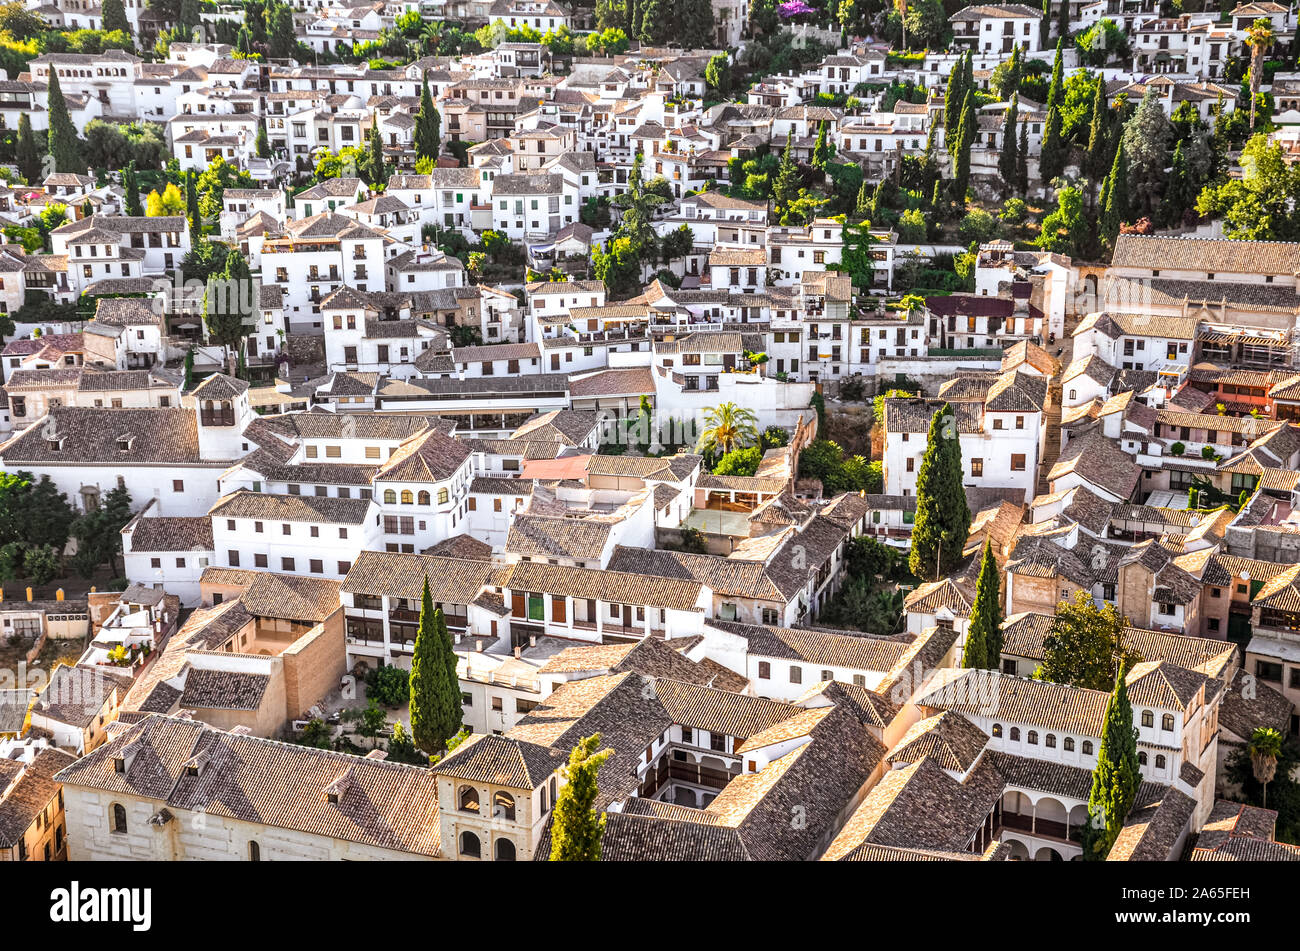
x: 948, y: 738
x: 273, y: 507
x: 280, y: 785
x: 502, y: 761
x: 451, y: 580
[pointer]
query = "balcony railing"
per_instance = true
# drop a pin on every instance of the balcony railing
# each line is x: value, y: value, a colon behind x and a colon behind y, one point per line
x: 217, y: 417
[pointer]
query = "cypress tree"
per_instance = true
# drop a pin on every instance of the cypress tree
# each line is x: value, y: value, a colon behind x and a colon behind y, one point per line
x: 115, y: 16
x: 986, y: 612
x: 28, y: 158
x: 1116, y: 779
x: 966, y: 130
x: 131, y: 186
x: 63, y: 134
x: 189, y: 18
x: 1051, y: 161
x: 1022, y: 161
x: 864, y: 199
x: 189, y: 369
x: 375, y: 156
x: 1098, y: 134
x: 821, y: 150
x: 1181, y: 192
x: 1115, y: 207
x: 244, y: 42
x: 576, y: 827
x: 1007, y: 158
x: 1063, y: 19
x: 942, y: 513
x: 427, y: 123
x: 261, y: 143
x: 975, y: 655
x: 1045, y: 25
x: 786, y: 187
x: 953, y: 97
x: 436, y: 712
x: 192, y: 203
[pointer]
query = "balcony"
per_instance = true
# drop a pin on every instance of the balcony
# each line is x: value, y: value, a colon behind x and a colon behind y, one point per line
x: 210, y: 417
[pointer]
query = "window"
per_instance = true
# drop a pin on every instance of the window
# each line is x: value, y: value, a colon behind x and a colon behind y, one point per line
x: 408, y: 497
x: 718, y: 742
x: 1087, y: 747
x: 1167, y: 722
x: 976, y: 468
x: 442, y: 496
x: 1142, y: 758
x: 498, y: 704
x: 1017, y: 462
x: 1050, y: 741
x: 259, y: 561
x: 119, y: 818
x: 505, y: 849
x: 178, y: 485
x: 1160, y: 761
x: 233, y: 558
x: 317, y: 566
x: 422, y: 498
x: 796, y: 675
x: 1015, y: 734
x: 468, y: 799
x: 688, y: 735
x: 1032, y: 738
x: 254, y: 852
x: 1068, y: 744
x: 1148, y: 718
x: 286, y: 564
x: 764, y: 670
x: 469, y: 845
x: 997, y: 729
x: 390, y: 497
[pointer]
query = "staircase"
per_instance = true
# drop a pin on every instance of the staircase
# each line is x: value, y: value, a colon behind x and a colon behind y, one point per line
x: 1052, y: 437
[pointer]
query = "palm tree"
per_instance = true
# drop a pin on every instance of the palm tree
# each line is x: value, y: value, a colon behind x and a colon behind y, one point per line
x: 1259, y: 37
x: 728, y: 427
x: 431, y: 37
x: 1264, y: 748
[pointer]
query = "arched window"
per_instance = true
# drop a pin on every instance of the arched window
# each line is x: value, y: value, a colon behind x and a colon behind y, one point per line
x: 1087, y: 747
x: 1142, y: 758
x: 442, y: 496
x: 1033, y: 737
x: 1074, y: 394
x: 505, y: 850
x: 503, y: 806
x: 469, y: 845
x: 119, y: 817
x: 997, y: 729
x: 468, y: 799
x: 1068, y: 744
x: 1160, y: 761
x: 1015, y: 733
x: 1050, y: 741
x: 423, y: 498
x: 254, y: 852
x: 1148, y: 718
x: 408, y: 497
x: 552, y: 792
x: 544, y: 807
x: 390, y: 497
x: 1167, y: 721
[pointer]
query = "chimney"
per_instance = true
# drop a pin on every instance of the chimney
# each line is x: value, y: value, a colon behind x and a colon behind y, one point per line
x: 532, y: 640
x: 518, y: 651
x: 478, y: 645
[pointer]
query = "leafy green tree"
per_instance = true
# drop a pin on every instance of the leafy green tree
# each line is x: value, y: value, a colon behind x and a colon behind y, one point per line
x: 1148, y: 139
x: 739, y: 462
x: 1259, y: 206
x: 1084, y: 643
x: 1052, y: 158
x: 576, y: 827
x: 718, y: 74
x: 280, y: 35
x: 64, y: 146
x: 27, y: 156
x: 33, y: 512
x: 942, y: 513
x: 927, y: 23
x: 436, y: 712
x: 822, y: 150
x: 1065, y: 230
x: 1116, y: 778
x: 115, y: 16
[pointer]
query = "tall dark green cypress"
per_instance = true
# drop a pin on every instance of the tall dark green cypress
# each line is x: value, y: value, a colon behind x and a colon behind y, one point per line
x: 1045, y: 25
x: 1051, y: 161
x: 1115, y: 207
x: 28, y: 157
x: 942, y: 513
x: 64, y: 146
x: 192, y: 204
x: 427, y: 126
x: 115, y: 16
x: 1022, y: 161
x: 1063, y: 19
x: 953, y: 98
x: 1116, y: 778
x: 967, y: 128
x: 131, y: 187
x: 986, y: 612
x: 436, y: 711
x: 1007, y: 157
x: 1098, y: 159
